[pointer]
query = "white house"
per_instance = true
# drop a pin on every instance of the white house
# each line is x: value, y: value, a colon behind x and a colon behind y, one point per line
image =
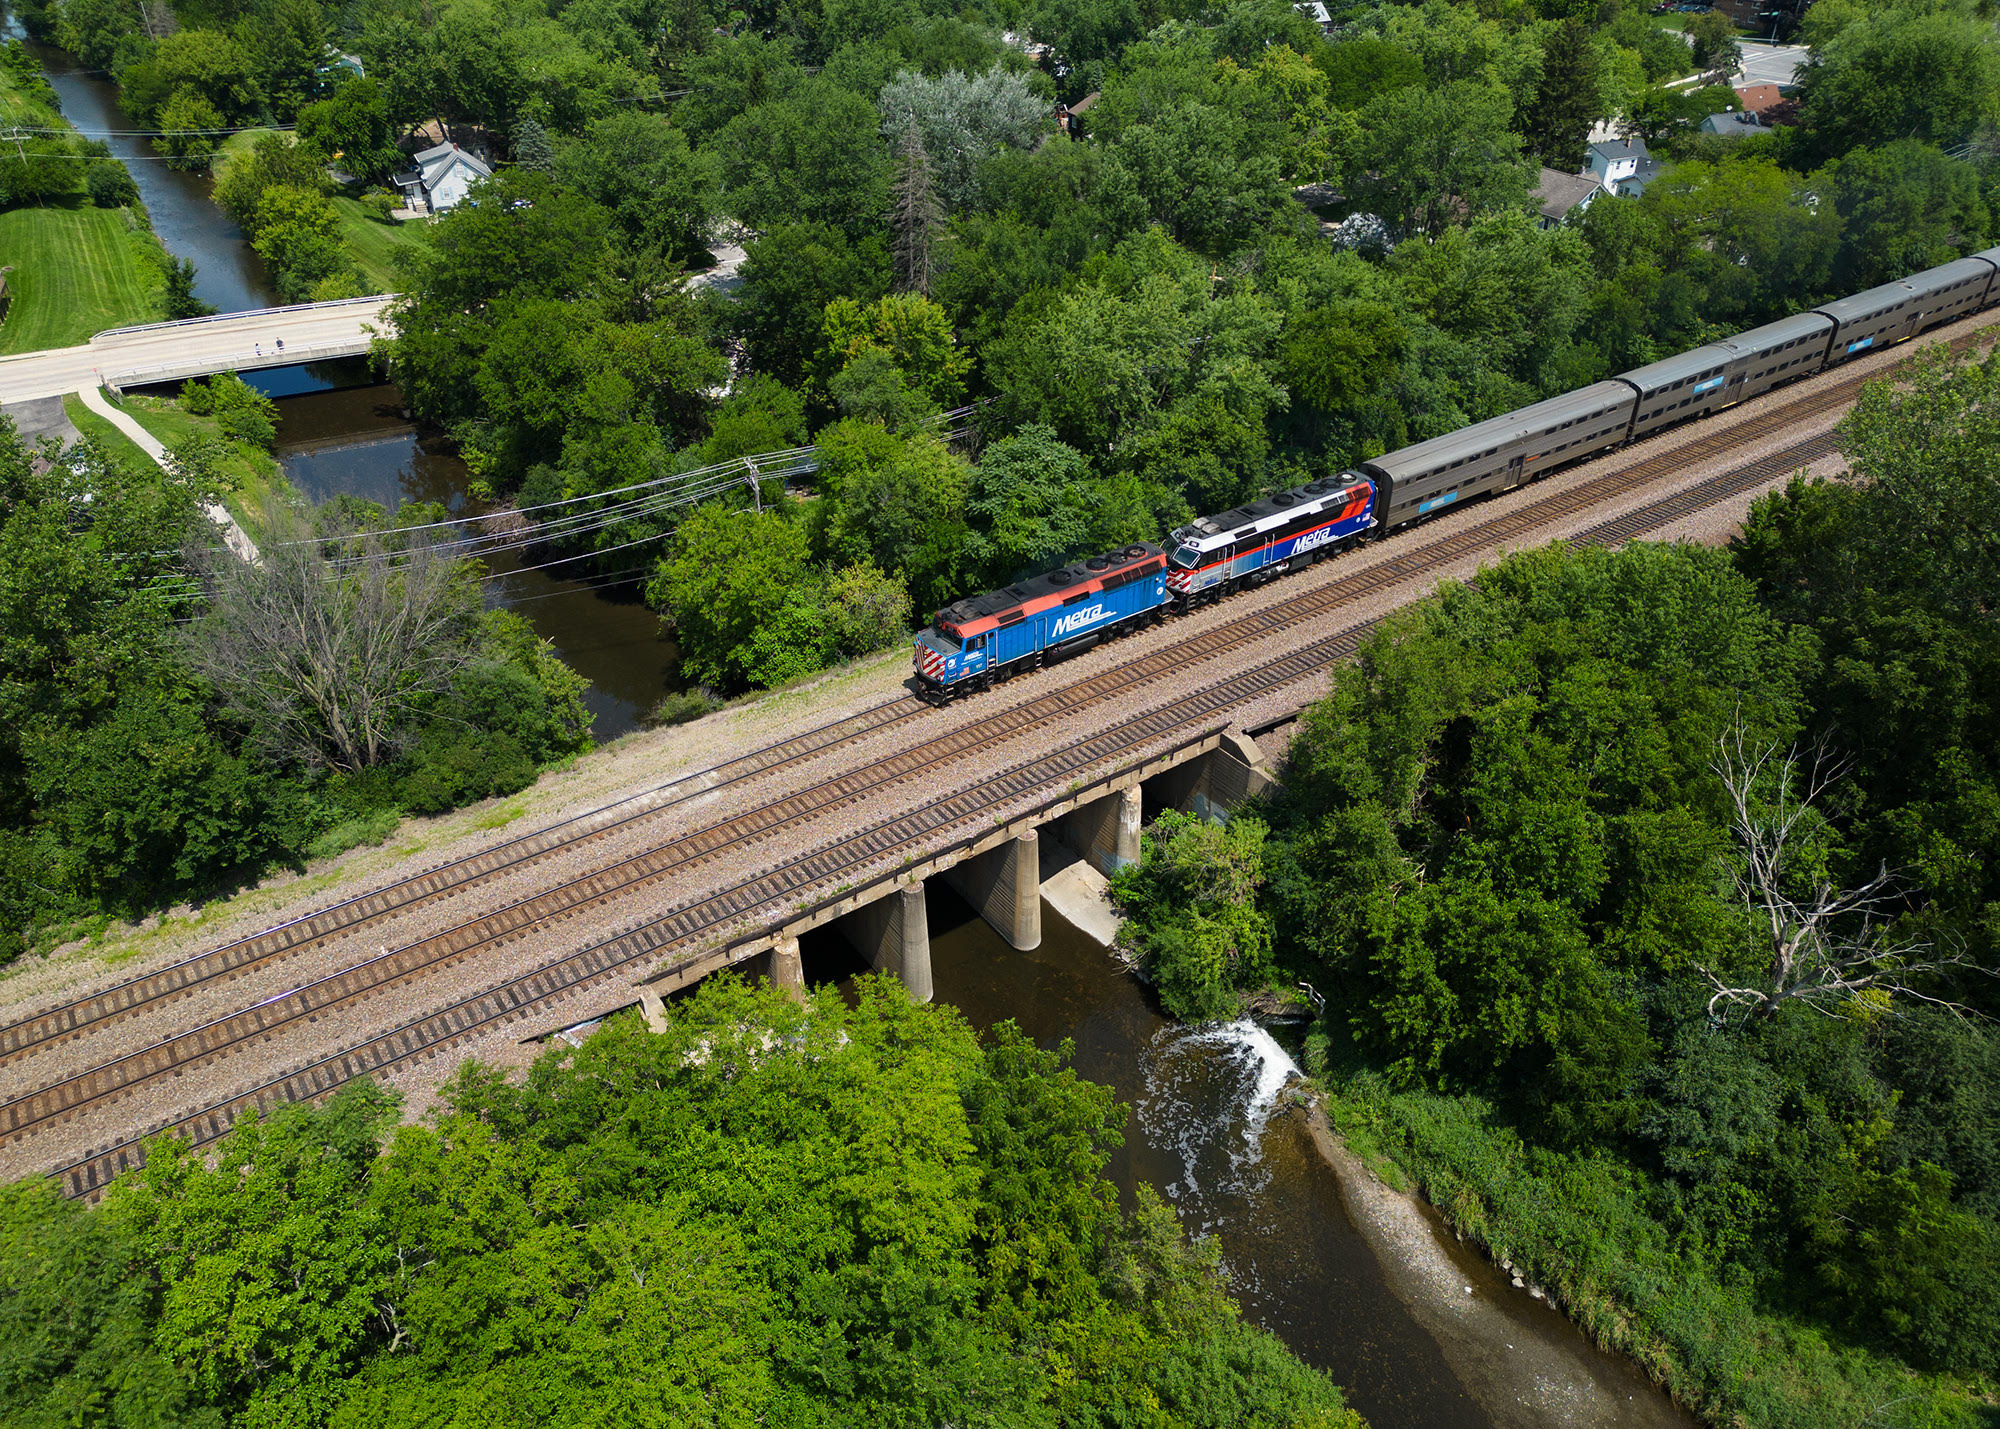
x: 441, y: 177
x: 1615, y: 159
x: 1623, y: 166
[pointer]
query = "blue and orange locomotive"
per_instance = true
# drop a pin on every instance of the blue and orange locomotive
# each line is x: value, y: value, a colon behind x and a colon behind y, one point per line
x: 973, y: 642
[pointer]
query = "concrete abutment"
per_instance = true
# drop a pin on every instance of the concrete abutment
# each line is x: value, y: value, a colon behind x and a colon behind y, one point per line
x: 1104, y: 832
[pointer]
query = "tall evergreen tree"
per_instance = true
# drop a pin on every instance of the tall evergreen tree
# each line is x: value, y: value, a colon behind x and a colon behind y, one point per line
x: 1566, y: 102
x: 532, y: 147
x: 916, y: 216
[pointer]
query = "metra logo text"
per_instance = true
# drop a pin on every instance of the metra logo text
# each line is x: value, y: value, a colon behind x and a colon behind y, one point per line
x: 1075, y: 620
x: 1313, y: 538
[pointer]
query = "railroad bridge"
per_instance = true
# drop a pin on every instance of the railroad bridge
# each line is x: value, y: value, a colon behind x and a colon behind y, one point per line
x: 999, y: 872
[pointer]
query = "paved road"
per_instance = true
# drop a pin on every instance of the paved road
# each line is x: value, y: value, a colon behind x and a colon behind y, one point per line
x: 167, y: 351
x: 1770, y: 64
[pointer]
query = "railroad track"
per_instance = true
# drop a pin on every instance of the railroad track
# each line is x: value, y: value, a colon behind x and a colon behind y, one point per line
x: 58, y: 1101
x: 777, y: 890
x: 235, y: 959
x: 598, y: 890
x: 232, y: 960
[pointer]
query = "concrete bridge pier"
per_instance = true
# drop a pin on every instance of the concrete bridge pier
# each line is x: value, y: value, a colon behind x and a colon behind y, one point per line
x: 893, y: 933
x: 1105, y: 832
x: 787, y: 973
x: 1004, y: 886
x: 1212, y: 785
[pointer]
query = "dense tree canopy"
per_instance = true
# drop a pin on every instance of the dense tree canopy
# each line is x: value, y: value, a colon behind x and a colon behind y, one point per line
x: 772, y: 1213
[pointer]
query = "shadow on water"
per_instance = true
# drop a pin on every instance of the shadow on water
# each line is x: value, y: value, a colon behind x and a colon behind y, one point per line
x: 230, y: 273
x: 1210, y: 1131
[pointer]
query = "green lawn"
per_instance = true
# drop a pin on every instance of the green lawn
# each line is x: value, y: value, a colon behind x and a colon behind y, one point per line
x: 249, y: 475
x: 375, y: 245
x: 77, y: 271
x: 371, y: 243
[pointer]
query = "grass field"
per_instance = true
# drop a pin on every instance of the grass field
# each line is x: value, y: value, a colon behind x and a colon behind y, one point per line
x: 77, y: 270
x: 249, y: 476
x: 375, y: 246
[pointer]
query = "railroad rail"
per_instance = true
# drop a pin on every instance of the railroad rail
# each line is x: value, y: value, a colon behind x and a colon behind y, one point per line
x: 520, y: 996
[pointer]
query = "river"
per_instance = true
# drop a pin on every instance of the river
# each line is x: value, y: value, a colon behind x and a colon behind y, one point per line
x: 341, y: 432
x: 1209, y: 1126
x: 1211, y: 1130
x: 229, y: 274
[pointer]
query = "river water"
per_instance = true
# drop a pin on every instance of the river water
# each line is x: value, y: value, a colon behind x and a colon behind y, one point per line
x: 339, y: 432
x: 1211, y: 1130
x: 229, y: 275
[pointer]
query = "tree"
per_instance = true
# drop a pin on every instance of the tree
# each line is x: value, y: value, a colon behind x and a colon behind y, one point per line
x: 274, y: 161
x: 109, y: 184
x: 957, y: 121
x: 729, y: 574
x: 188, y: 125
x: 1817, y: 945
x: 812, y: 156
x: 910, y: 329
x: 1432, y: 156
x: 180, y: 301
x: 915, y: 216
x: 1904, y: 207
x: 1900, y: 73
x: 329, y: 649
x: 1032, y: 507
x: 1193, y: 924
x: 789, y: 276
x: 1566, y: 102
x: 897, y: 501
x: 1714, y: 36
x: 352, y: 128
x: 286, y: 42
x: 661, y: 191
x: 205, y: 65
x: 298, y: 235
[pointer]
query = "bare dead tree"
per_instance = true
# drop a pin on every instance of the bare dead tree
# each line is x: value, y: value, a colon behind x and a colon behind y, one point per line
x: 916, y: 216
x: 329, y: 647
x: 1824, y: 946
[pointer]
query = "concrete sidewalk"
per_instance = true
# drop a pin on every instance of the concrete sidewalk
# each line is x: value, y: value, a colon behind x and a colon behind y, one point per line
x: 233, y: 535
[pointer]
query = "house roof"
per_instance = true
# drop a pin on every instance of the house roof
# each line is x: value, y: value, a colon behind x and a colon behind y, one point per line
x: 1734, y: 124
x: 433, y: 164
x: 1634, y: 183
x: 1558, y: 193
x: 1756, y: 98
x: 1612, y: 150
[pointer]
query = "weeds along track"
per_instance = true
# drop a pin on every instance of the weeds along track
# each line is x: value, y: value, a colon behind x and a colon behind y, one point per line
x: 242, y: 956
x: 700, y: 928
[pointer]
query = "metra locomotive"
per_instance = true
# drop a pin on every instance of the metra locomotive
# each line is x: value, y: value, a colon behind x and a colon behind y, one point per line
x: 973, y: 641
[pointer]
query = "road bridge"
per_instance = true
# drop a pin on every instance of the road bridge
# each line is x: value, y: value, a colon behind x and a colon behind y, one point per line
x: 198, y: 347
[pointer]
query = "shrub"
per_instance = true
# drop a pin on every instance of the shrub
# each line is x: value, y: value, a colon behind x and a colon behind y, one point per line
x: 681, y: 707
x: 109, y: 184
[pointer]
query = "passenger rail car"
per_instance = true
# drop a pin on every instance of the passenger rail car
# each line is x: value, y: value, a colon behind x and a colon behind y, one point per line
x: 1216, y: 554
x: 974, y: 640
